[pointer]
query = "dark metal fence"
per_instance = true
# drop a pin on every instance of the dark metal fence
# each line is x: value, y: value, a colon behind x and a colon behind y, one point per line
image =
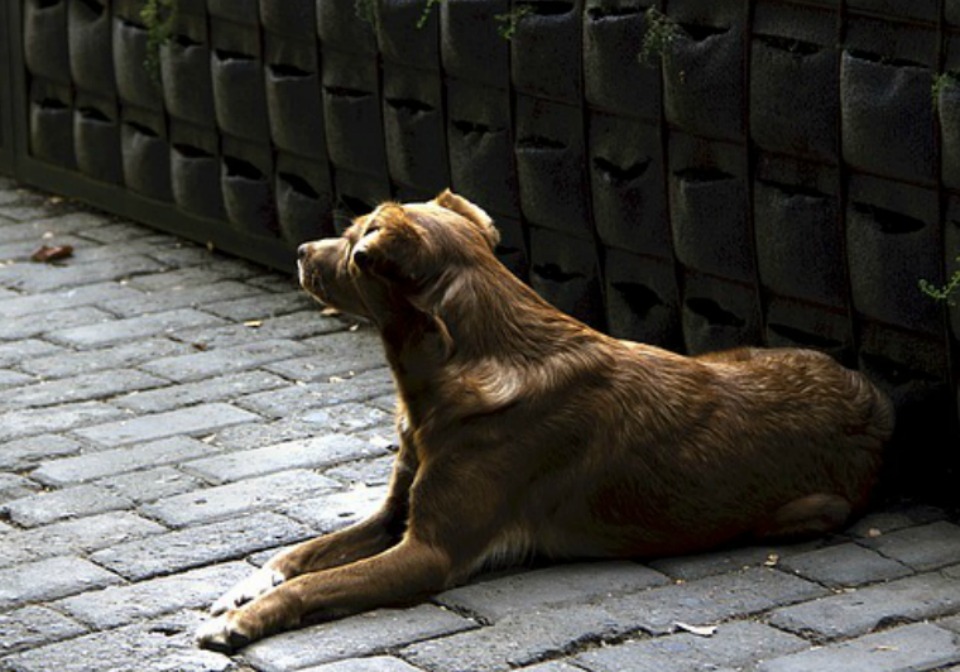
x: 783, y: 172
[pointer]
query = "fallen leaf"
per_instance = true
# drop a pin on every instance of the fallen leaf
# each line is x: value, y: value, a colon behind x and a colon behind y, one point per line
x: 199, y: 346
x: 330, y: 311
x: 336, y: 379
x: 48, y: 253
x: 698, y: 630
x: 253, y: 324
x: 354, y: 327
x: 772, y: 560
x: 885, y: 647
x: 210, y: 246
x: 874, y: 532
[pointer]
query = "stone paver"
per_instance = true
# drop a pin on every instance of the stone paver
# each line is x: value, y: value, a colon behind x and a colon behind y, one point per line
x: 116, y: 461
x: 919, y: 646
x: 361, y: 635
x: 194, y: 420
x: 223, y: 501
x: 732, y: 645
x: 50, y: 579
x: 170, y: 418
x: 314, y: 453
x: 859, y: 611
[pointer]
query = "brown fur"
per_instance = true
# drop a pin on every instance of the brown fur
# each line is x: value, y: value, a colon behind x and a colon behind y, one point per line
x: 525, y: 432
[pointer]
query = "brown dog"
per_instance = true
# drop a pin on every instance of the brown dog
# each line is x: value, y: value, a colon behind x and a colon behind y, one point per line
x: 526, y: 432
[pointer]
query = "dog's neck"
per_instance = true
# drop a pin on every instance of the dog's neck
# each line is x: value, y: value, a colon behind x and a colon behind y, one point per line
x: 490, y: 313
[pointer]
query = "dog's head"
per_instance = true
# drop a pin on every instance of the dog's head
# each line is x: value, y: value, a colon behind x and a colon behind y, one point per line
x: 396, y: 251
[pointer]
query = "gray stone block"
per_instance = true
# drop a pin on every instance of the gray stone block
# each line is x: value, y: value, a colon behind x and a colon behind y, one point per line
x: 224, y: 501
x: 85, y: 387
x: 219, y: 361
x: 150, y: 484
x: 328, y: 513
x: 331, y: 392
x: 73, y: 502
x: 21, y: 454
x: 313, y: 453
x: 94, y: 465
x: 845, y: 565
x: 516, y: 640
x: 221, y: 388
x: 132, y: 328
x: 34, y: 626
x: 737, y: 645
x: 361, y: 635
x: 920, y: 646
x: 371, y: 664
x: 186, y: 296
x: 14, y: 487
x: 526, y: 592
x: 200, y: 545
x: 36, y: 324
x: 923, y: 548
x: 74, y: 536
x: 59, y: 363
x: 164, y: 644
x: 712, y: 599
x: 25, y: 349
x: 115, y: 606
x: 50, y: 579
x: 99, y: 295
x: 33, y: 421
x: 194, y: 420
x: 855, y: 613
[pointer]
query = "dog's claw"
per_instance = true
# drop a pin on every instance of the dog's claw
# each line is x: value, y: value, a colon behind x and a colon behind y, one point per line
x: 218, y: 635
x: 248, y: 589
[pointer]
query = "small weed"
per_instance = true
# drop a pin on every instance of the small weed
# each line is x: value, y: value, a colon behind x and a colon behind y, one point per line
x: 366, y: 11
x: 661, y: 32
x: 425, y: 16
x: 159, y: 17
x: 945, y: 292
x: 510, y: 21
x: 940, y: 83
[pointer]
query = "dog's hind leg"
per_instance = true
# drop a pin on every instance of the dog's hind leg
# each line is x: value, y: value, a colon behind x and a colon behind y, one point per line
x: 364, y: 539
x: 807, y: 516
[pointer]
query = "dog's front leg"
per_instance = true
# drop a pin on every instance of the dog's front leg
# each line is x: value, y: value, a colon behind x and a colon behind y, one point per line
x: 367, y: 538
x: 403, y: 574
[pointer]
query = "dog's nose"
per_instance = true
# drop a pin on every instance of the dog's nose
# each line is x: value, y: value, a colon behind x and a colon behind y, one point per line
x: 303, y: 251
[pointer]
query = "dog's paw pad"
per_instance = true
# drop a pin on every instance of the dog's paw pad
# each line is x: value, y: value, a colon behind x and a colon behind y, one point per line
x: 248, y: 589
x: 218, y: 635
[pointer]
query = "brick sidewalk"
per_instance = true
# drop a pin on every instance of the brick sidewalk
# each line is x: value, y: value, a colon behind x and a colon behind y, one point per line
x: 169, y: 417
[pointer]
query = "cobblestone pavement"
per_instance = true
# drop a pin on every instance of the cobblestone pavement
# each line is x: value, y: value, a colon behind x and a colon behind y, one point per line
x: 169, y: 417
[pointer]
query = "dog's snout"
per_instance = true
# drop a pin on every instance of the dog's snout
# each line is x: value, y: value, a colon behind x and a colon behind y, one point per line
x: 303, y: 251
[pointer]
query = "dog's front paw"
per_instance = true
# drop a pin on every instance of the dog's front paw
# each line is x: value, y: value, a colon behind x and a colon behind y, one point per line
x: 253, y: 586
x: 222, y: 634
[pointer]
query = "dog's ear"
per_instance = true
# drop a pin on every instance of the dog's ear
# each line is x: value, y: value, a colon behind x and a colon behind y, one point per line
x: 458, y: 204
x: 390, y: 247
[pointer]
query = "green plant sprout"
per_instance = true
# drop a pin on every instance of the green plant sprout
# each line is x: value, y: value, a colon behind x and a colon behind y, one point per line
x: 425, y: 16
x: 510, y: 21
x: 940, y: 83
x: 159, y: 17
x: 661, y: 32
x: 945, y: 292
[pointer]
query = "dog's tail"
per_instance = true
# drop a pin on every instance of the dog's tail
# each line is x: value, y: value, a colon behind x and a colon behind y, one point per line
x: 876, y: 412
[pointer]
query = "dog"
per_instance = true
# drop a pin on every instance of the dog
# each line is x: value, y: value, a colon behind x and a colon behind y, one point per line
x: 524, y: 432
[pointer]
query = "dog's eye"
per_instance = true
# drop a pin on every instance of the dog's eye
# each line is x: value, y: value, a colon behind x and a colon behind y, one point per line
x: 372, y: 229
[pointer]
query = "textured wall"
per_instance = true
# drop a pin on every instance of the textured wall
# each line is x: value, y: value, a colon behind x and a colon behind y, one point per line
x: 782, y: 173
